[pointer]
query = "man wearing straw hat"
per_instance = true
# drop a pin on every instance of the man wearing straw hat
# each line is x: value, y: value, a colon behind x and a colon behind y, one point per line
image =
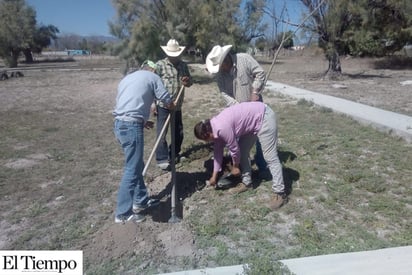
x: 174, y: 73
x: 135, y: 94
x: 239, y: 78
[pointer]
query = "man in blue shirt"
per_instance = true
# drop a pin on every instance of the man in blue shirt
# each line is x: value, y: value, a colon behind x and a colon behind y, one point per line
x: 135, y: 94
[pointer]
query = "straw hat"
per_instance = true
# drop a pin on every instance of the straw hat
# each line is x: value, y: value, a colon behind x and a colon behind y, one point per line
x: 215, y: 58
x: 172, y: 48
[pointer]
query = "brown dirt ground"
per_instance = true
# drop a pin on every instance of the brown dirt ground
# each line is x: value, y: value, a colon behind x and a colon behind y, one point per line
x: 156, y: 237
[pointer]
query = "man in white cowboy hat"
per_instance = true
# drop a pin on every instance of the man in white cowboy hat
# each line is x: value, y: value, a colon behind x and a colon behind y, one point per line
x: 174, y: 72
x: 239, y: 78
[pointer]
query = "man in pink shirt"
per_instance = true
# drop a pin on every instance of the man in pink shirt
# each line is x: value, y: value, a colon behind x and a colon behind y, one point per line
x: 237, y: 127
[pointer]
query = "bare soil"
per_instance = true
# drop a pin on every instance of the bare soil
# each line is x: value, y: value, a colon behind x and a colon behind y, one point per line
x: 79, y: 95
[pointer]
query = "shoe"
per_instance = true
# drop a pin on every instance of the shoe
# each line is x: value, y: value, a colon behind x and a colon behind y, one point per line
x: 278, y: 200
x: 164, y: 166
x: 131, y: 218
x: 149, y: 203
x: 180, y: 158
x: 241, y: 187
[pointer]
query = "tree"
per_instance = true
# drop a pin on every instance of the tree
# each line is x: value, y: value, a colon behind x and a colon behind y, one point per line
x: 17, y: 27
x: 144, y: 25
x: 385, y: 27
x: 330, y: 19
x: 288, y: 36
x: 363, y: 27
x: 42, y: 38
x: 278, y: 21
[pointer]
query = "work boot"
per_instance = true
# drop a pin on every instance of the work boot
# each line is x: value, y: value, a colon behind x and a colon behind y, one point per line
x: 241, y: 187
x: 277, y: 200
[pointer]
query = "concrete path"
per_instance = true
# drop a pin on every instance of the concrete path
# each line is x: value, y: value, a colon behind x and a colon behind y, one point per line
x: 397, y: 124
x: 397, y: 260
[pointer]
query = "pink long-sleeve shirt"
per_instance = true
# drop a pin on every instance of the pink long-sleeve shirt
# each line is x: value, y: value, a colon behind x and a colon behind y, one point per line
x: 232, y: 123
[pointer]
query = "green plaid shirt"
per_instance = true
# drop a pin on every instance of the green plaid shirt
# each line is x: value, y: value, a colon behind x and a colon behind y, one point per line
x: 170, y: 76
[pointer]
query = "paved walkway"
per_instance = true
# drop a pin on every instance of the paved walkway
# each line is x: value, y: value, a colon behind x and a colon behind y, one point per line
x: 397, y: 124
x: 397, y: 260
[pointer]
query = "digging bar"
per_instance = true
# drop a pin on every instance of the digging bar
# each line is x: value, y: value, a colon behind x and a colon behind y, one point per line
x: 173, y: 218
x: 162, y: 132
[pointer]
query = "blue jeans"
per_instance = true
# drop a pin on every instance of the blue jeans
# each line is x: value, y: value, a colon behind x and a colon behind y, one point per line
x: 163, y: 151
x: 132, y: 188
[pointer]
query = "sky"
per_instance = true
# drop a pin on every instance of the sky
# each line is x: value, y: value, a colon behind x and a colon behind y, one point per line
x: 81, y: 17
x: 90, y: 17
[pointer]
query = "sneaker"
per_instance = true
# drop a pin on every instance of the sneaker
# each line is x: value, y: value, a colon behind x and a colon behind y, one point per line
x: 180, y: 158
x: 278, y: 200
x: 149, y: 203
x: 131, y: 218
x: 164, y: 166
x: 241, y: 187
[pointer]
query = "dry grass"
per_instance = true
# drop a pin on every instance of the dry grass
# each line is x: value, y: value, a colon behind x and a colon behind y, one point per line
x: 60, y: 167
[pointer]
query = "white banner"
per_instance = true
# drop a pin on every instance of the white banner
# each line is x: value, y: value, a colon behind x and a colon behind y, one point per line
x: 17, y: 262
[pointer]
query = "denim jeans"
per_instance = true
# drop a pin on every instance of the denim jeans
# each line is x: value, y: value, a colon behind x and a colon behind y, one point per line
x: 132, y: 188
x: 163, y: 151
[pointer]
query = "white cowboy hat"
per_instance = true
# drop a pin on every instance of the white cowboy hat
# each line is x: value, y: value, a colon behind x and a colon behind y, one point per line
x: 215, y: 58
x: 172, y: 48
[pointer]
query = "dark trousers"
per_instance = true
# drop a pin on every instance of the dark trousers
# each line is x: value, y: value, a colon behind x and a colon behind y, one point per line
x: 163, y: 151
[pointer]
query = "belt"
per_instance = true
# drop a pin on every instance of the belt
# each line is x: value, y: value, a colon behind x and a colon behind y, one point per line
x: 130, y: 119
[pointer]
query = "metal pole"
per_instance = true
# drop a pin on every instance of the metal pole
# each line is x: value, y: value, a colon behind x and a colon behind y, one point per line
x: 173, y: 218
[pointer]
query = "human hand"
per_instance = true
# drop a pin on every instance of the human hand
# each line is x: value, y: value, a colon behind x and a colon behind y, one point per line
x: 212, y: 181
x: 149, y: 124
x: 171, y: 106
x: 185, y: 81
x: 153, y: 109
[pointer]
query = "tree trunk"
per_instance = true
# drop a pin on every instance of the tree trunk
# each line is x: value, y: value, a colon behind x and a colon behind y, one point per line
x: 12, y: 60
x: 334, y: 70
x: 28, y: 55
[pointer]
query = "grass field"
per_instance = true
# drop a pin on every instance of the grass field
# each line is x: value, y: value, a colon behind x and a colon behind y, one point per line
x: 60, y: 167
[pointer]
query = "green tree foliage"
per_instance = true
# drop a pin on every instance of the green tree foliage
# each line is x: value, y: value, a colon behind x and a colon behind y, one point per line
x: 359, y: 27
x: 144, y: 25
x: 381, y: 27
x: 19, y: 33
x: 17, y: 28
x: 287, y: 44
x: 261, y: 43
x: 42, y: 38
